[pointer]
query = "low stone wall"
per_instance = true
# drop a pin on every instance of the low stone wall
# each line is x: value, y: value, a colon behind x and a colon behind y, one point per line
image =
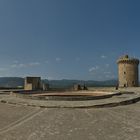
x: 65, y: 97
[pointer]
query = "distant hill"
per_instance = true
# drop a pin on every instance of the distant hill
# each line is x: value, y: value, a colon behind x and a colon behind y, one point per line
x: 69, y: 83
x: 12, y: 82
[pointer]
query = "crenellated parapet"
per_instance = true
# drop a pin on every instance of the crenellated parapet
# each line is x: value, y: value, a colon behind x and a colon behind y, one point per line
x: 126, y: 59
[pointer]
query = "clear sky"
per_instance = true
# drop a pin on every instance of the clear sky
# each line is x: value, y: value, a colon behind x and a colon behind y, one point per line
x: 67, y: 39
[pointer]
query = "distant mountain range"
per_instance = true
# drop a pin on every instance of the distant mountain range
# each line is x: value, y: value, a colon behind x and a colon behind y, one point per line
x: 69, y: 83
x: 11, y: 82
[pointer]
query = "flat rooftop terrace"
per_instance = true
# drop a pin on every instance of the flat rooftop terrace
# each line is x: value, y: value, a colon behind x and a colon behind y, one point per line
x: 22, y: 121
x: 19, y: 122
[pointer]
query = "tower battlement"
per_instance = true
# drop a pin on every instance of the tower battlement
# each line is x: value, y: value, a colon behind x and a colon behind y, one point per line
x: 127, y: 59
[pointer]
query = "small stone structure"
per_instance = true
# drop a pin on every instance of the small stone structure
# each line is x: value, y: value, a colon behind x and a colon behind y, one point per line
x: 128, y: 71
x: 84, y: 87
x: 77, y: 87
x: 80, y: 87
x: 32, y: 83
x: 45, y: 86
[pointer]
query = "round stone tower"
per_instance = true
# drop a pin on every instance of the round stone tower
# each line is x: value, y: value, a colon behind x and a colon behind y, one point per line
x: 128, y: 71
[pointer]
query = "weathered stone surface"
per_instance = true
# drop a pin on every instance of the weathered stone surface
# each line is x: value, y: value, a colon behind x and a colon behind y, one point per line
x: 21, y: 122
x: 119, y: 123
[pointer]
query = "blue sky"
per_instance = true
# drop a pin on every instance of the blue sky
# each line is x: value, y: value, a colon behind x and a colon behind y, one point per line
x: 67, y: 39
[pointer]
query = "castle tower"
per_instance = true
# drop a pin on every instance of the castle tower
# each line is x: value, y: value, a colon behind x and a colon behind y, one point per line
x: 128, y: 72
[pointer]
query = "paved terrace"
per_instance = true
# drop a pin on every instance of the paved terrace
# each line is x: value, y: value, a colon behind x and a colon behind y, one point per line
x: 22, y: 122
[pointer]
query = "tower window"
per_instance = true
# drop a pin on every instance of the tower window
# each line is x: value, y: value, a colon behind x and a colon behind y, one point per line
x: 124, y: 72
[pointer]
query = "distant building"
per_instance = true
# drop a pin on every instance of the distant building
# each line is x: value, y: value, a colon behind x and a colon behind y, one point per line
x: 128, y: 72
x: 45, y: 86
x: 32, y: 83
x: 77, y: 87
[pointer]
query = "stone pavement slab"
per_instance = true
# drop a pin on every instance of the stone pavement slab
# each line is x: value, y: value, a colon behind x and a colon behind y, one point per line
x: 117, y: 123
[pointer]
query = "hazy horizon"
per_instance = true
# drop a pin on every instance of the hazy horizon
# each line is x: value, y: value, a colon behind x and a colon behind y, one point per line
x: 62, y: 79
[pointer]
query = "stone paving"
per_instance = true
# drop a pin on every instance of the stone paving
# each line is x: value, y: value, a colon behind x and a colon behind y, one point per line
x: 22, y: 122
x: 31, y: 123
